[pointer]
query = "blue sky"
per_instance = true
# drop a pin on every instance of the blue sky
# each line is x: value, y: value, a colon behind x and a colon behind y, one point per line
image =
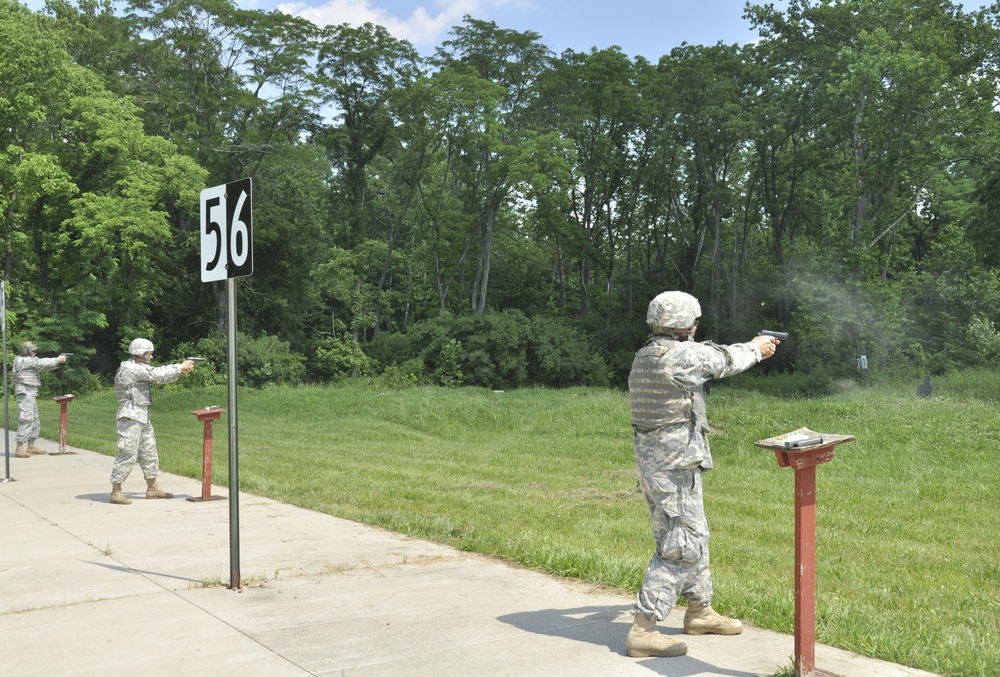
x: 649, y: 28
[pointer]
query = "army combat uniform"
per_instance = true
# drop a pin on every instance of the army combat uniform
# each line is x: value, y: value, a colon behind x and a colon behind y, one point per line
x: 667, y: 403
x: 671, y: 451
x: 135, y: 432
x: 26, y: 378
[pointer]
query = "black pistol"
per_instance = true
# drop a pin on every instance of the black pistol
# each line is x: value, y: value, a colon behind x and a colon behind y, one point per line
x: 780, y: 335
x: 196, y: 360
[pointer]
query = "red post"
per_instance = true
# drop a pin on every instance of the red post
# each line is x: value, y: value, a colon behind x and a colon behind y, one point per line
x: 207, y: 415
x: 804, y: 462
x: 63, y: 400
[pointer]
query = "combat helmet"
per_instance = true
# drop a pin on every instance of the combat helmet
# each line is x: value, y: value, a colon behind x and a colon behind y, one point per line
x: 140, y: 346
x: 28, y: 347
x: 673, y: 310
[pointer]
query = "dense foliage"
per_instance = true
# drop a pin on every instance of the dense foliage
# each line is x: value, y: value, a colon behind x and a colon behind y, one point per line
x: 493, y: 213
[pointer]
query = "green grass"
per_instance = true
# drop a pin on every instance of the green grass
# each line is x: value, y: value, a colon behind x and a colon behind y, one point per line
x: 908, y: 555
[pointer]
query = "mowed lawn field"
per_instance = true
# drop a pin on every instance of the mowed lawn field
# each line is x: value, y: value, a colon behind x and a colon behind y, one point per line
x: 907, y: 515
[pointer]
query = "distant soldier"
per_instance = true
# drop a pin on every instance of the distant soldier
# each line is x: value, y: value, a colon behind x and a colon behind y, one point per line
x: 135, y: 432
x: 26, y: 375
x: 671, y: 451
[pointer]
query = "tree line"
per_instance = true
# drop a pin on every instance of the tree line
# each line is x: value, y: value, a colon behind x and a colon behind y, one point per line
x: 493, y: 213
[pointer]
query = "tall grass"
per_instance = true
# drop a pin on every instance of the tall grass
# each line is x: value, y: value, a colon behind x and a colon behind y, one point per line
x: 908, y: 556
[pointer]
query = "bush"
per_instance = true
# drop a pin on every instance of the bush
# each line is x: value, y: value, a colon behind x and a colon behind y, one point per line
x: 341, y: 358
x: 560, y: 356
x: 75, y: 380
x: 431, y: 343
x: 984, y: 337
x: 260, y: 361
x: 496, y: 350
x: 389, y: 348
x: 405, y: 375
x: 495, y: 347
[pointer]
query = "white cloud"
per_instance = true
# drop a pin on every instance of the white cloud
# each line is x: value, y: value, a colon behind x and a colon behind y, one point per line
x: 423, y: 27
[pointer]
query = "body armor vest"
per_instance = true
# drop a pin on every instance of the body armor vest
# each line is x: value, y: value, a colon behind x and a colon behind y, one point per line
x: 655, y: 399
x: 130, y: 391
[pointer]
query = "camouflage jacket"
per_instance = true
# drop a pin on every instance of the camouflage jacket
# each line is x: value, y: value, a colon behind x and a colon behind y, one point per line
x: 132, y: 387
x: 27, y: 371
x: 667, y: 403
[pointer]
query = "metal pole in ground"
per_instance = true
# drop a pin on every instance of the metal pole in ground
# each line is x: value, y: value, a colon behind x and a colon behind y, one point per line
x: 234, y: 474
x: 6, y: 412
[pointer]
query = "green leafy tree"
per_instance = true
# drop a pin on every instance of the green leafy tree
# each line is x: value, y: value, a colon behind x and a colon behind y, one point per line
x: 506, y: 146
x: 86, y: 196
x: 600, y: 110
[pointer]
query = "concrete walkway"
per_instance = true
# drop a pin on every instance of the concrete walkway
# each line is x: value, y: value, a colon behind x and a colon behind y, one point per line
x: 90, y: 588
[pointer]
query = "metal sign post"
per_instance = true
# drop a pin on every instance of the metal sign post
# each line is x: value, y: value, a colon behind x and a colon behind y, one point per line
x: 234, y: 472
x: 6, y: 414
x: 227, y: 253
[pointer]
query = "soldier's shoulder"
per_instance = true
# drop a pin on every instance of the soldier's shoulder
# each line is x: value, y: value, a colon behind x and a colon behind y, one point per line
x: 130, y: 368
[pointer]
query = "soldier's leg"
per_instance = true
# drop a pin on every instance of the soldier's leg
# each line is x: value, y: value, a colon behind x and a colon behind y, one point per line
x: 149, y: 461
x: 129, y: 433
x: 24, y: 404
x: 700, y: 618
x: 681, y: 537
x: 29, y: 422
x: 21, y: 437
x: 677, y: 549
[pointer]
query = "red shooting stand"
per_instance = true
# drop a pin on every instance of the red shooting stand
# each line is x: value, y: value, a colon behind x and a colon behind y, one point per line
x: 207, y: 415
x: 804, y: 461
x: 63, y: 400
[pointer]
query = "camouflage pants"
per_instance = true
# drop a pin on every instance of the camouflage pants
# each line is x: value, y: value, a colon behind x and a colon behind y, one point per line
x: 135, y: 439
x: 28, y: 423
x: 680, y: 564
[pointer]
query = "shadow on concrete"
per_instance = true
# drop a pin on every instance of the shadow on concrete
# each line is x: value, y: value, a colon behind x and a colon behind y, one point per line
x: 105, y: 496
x: 130, y: 570
x: 600, y: 625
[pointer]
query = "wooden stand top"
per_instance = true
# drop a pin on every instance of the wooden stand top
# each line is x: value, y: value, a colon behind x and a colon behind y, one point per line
x: 803, y: 457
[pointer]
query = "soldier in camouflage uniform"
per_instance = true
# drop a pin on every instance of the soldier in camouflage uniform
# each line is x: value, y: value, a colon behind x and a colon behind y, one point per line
x: 671, y: 450
x: 135, y: 432
x: 26, y: 376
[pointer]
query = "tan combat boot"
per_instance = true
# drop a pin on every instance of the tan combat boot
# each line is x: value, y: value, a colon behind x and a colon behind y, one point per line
x: 644, y: 641
x: 701, y: 619
x: 153, y: 491
x: 20, y: 452
x: 33, y: 450
x: 117, y: 497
